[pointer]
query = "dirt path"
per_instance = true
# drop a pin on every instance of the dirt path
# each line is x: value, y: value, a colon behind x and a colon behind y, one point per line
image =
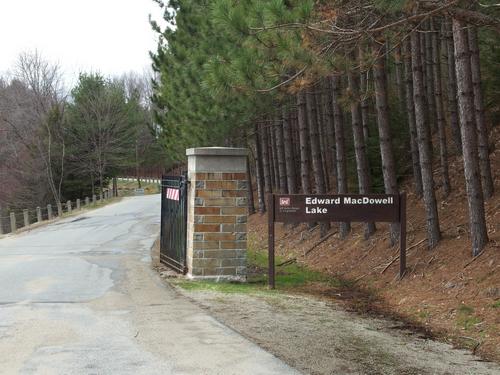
x: 318, y: 337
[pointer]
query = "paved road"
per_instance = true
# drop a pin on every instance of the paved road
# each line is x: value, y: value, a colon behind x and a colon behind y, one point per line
x: 79, y: 297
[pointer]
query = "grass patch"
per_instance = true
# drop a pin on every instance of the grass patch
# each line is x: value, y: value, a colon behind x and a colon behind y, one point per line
x: 424, y: 315
x: 465, y: 310
x: 288, y: 277
x: 465, y: 317
x: 496, y: 305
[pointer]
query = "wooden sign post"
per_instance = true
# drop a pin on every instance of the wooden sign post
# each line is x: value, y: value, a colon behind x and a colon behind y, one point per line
x: 303, y: 208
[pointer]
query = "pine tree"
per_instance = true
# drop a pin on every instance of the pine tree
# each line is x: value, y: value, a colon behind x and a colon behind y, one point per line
x: 424, y: 144
x: 478, y: 230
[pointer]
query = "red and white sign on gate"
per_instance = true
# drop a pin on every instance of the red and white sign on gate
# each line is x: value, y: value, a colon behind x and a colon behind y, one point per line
x: 172, y: 194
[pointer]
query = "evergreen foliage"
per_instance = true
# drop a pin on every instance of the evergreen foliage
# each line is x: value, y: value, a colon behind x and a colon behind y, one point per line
x: 232, y: 69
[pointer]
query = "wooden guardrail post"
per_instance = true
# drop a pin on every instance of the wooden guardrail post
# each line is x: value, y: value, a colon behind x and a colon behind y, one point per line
x: 49, y: 212
x: 1, y: 220
x: 13, y: 224
x: 38, y: 215
x: 26, y: 218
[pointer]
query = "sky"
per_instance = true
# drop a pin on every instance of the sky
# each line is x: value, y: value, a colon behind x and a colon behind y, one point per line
x: 107, y: 36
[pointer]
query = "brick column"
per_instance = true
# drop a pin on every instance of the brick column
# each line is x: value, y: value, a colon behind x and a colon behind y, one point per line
x: 217, y: 213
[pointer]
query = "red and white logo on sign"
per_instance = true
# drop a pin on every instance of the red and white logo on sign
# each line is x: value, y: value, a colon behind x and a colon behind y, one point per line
x: 285, y: 201
x: 173, y: 194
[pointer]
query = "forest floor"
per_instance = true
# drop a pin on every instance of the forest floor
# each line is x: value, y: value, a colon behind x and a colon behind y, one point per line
x: 446, y: 292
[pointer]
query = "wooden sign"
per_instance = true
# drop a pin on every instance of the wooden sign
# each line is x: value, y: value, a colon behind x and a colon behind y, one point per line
x: 300, y: 208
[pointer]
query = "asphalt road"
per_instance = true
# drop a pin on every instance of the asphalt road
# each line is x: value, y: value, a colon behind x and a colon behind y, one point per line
x: 79, y: 297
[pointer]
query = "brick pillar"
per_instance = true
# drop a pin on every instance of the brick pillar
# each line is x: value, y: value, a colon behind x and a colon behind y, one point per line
x: 217, y: 213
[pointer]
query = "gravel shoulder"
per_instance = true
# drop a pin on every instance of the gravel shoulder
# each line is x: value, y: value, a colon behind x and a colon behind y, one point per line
x: 319, y: 337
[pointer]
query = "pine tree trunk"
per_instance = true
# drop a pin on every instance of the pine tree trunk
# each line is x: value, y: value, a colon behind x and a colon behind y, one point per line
x: 317, y: 163
x: 365, y: 106
x: 296, y: 148
x: 422, y: 58
x: 482, y: 130
x: 274, y: 156
x: 429, y: 76
x: 322, y: 137
x: 331, y: 154
x: 303, y: 140
x: 280, y: 151
x: 362, y: 164
x: 288, y: 148
x: 410, y: 109
x: 424, y: 144
x: 388, y: 162
x: 438, y: 100
x: 265, y: 158
x: 452, y: 90
x: 259, y: 172
x: 398, y: 62
x: 251, y: 204
x: 424, y: 77
x: 478, y: 230
x: 338, y: 118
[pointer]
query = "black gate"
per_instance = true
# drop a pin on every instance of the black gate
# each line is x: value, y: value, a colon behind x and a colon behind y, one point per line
x: 173, y: 222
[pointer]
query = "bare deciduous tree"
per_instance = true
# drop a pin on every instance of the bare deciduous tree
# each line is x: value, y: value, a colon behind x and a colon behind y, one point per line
x: 33, y: 106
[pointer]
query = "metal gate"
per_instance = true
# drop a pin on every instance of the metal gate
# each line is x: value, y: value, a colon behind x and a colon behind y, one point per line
x: 173, y: 222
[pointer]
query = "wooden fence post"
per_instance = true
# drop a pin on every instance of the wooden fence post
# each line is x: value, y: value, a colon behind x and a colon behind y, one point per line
x: 26, y: 218
x: 13, y: 224
x: 38, y: 215
x: 1, y: 220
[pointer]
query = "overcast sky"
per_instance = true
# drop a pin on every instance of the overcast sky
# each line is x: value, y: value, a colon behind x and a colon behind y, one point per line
x: 109, y: 36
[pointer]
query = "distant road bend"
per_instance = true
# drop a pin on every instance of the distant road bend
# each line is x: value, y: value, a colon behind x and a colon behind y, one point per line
x: 79, y: 297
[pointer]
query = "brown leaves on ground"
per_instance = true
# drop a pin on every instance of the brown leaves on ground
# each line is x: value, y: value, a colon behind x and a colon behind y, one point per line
x: 445, y: 290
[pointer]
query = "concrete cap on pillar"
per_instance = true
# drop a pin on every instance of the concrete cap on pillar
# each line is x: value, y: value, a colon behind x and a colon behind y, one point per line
x: 217, y: 151
x: 216, y: 159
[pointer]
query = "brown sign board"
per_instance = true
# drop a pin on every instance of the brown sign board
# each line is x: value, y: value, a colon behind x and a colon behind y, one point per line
x: 314, y: 208
x: 298, y: 208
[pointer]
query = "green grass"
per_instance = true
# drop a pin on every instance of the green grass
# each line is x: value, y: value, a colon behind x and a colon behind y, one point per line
x: 424, y: 315
x: 496, y: 305
x: 465, y: 310
x: 465, y: 317
x: 287, y: 277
